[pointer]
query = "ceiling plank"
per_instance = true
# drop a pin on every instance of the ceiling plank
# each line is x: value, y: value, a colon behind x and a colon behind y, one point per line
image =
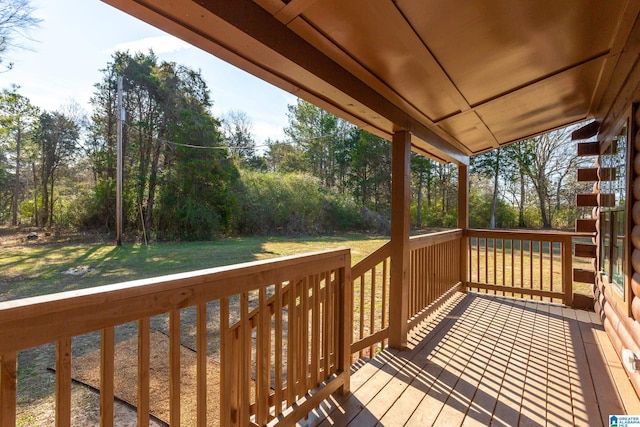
x: 260, y: 26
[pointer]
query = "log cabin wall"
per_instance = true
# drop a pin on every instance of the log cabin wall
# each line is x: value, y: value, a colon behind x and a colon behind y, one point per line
x: 617, y: 284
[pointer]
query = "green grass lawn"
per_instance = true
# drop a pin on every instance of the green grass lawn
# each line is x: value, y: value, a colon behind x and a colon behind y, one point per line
x: 37, y: 269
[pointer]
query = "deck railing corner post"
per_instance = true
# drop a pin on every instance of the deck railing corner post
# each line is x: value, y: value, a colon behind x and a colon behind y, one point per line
x: 346, y: 334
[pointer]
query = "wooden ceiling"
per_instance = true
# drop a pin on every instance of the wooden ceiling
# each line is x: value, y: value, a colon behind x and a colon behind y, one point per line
x: 463, y: 76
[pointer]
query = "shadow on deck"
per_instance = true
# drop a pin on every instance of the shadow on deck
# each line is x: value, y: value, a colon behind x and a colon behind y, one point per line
x: 490, y: 360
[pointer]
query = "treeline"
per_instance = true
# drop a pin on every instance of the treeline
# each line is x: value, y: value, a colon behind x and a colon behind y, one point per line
x: 190, y: 175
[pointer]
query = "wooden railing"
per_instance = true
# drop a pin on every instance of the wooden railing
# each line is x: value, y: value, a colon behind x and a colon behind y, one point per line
x: 523, y: 264
x: 370, y: 298
x: 434, y: 273
x: 297, y: 308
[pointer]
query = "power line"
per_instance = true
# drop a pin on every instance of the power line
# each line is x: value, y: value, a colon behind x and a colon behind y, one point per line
x: 225, y: 147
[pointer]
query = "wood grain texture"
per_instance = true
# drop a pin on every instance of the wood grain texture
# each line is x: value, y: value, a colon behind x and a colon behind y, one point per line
x: 63, y: 383
x: 107, y: 361
x: 8, y: 371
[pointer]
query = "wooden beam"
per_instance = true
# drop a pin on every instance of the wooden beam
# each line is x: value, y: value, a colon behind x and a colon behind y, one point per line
x: 586, y: 200
x: 463, y: 219
x: 400, y: 204
x: 585, y: 250
x: 587, y: 174
x: 585, y: 132
x: 583, y: 276
x: 588, y: 149
x: 586, y: 225
x: 595, y: 174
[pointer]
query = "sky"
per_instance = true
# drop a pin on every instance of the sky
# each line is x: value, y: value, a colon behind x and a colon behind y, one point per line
x: 76, y: 39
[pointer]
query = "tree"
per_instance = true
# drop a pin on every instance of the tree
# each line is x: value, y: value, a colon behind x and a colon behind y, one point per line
x: 236, y: 131
x: 283, y: 157
x: 16, y: 19
x: 552, y: 159
x: 172, y: 148
x: 370, y: 172
x: 57, y: 138
x: 490, y: 164
x: 422, y: 174
x: 320, y: 135
x: 517, y: 182
x: 17, y: 119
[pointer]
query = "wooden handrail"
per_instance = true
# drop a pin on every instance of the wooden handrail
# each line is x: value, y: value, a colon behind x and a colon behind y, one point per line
x: 432, y: 239
x: 371, y: 260
x: 539, y: 235
x: 313, y: 289
x: 30, y: 322
x: 503, y: 270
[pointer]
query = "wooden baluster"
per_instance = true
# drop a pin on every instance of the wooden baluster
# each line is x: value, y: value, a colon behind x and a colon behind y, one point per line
x: 245, y: 359
x: 235, y: 368
x: 63, y: 382
x: 513, y: 266
x: 478, y: 258
x: 326, y: 319
x: 201, y: 361
x: 144, y: 354
x: 106, y: 377
x: 383, y: 321
x: 277, y: 381
x: 531, y: 266
x: 336, y: 325
x: 540, y: 258
x: 522, y: 265
x: 413, y: 285
x: 262, y: 358
x: 174, y: 367
x: 315, y: 329
x: 8, y: 384
x: 361, y: 319
x: 292, y: 334
x: 372, y: 313
x: 226, y: 383
x: 551, y: 266
x: 504, y: 283
x: 435, y: 270
x: 304, y: 337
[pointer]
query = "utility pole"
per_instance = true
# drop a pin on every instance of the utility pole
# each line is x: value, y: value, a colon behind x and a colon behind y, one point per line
x: 120, y: 118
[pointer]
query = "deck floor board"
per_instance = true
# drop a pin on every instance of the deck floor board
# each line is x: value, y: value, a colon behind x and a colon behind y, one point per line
x: 490, y: 360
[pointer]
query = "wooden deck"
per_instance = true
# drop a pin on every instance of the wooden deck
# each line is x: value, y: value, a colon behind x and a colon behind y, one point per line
x: 490, y: 360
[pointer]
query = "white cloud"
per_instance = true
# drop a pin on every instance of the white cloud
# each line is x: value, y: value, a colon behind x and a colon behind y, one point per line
x: 159, y: 44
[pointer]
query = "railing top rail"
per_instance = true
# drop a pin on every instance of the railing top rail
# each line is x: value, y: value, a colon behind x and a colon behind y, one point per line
x: 371, y: 260
x: 424, y: 240
x: 527, y: 234
x: 415, y: 242
x: 34, y: 321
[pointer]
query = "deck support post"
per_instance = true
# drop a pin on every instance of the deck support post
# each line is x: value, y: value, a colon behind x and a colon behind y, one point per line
x: 463, y: 221
x: 400, y: 227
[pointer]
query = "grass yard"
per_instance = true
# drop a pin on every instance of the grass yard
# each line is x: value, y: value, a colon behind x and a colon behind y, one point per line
x: 43, y: 267
x: 30, y: 269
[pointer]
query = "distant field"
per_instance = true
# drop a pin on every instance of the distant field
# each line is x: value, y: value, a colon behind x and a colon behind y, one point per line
x: 36, y: 268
